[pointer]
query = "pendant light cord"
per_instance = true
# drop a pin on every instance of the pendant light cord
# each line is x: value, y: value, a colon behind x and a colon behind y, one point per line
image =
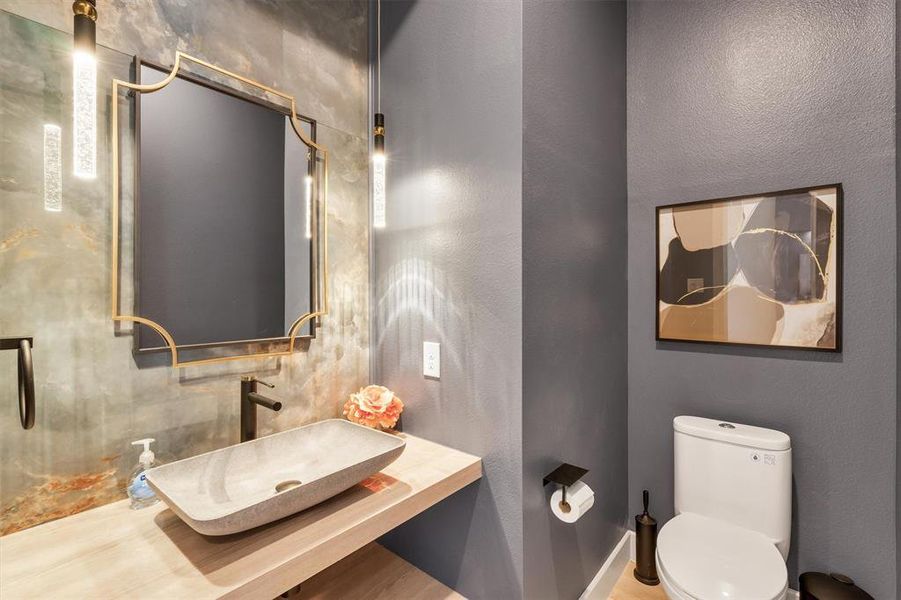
x: 379, y: 54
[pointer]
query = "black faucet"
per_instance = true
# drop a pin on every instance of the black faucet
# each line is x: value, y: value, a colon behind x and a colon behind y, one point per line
x: 249, y: 401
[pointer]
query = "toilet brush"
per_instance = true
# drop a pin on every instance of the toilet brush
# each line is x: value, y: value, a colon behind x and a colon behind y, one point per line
x: 645, y: 546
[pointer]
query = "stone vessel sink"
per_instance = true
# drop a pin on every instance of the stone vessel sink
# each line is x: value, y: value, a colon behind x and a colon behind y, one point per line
x: 263, y: 480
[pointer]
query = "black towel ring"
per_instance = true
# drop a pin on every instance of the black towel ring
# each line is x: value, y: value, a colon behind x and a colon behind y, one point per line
x: 26, y: 385
x: 26, y: 377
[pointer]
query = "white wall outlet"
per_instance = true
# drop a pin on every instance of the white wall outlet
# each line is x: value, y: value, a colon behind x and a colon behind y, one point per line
x: 431, y: 359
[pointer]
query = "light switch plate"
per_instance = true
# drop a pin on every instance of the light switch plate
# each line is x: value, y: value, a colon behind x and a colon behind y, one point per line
x: 431, y: 359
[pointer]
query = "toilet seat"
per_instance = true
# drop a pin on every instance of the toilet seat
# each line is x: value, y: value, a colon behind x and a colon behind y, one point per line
x: 699, y: 558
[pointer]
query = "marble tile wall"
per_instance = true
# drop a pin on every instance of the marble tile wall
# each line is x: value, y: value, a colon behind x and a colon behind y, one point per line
x: 92, y: 399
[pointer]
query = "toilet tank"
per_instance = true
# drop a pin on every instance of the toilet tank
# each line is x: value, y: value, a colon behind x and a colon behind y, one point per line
x: 736, y: 473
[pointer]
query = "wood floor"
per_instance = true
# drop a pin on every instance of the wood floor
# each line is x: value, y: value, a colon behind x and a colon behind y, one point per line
x: 628, y: 588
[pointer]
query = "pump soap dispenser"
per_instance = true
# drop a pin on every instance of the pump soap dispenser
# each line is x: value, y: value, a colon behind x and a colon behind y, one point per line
x: 141, y: 494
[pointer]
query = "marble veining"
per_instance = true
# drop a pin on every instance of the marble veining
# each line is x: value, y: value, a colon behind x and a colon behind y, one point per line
x: 314, y: 49
x: 92, y: 398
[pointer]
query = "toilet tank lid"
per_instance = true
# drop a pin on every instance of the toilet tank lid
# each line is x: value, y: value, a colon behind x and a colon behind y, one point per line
x: 732, y: 433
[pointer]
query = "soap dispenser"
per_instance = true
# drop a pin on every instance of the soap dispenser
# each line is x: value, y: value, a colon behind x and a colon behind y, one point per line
x: 141, y: 494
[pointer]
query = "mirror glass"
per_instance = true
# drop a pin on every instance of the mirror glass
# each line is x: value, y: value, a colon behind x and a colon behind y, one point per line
x: 224, y: 215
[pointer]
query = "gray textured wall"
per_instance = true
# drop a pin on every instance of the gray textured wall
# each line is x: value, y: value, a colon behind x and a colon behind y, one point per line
x: 898, y: 294
x: 448, y: 269
x: 92, y: 399
x: 729, y: 98
x: 574, y: 283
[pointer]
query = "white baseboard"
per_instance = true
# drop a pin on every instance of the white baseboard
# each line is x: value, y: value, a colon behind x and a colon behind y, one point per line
x: 604, y: 581
x: 602, y: 584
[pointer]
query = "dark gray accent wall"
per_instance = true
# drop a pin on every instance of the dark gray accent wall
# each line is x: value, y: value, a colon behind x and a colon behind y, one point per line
x: 448, y: 269
x: 898, y: 294
x: 728, y: 98
x: 574, y: 284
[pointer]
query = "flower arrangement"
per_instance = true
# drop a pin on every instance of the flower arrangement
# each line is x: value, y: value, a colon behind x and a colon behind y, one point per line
x: 374, y: 406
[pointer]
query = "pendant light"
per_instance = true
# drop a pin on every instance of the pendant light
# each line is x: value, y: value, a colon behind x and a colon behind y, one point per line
x: 308, y: 205
x: 53, y: 177
x: 378, y: 136
x: 84, y: 89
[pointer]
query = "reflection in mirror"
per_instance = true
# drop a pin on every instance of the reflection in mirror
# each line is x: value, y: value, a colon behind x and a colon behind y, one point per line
x: 225, y: 231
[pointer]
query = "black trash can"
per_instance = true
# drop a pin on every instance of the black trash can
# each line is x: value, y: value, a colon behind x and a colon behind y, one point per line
x: 830, y: 586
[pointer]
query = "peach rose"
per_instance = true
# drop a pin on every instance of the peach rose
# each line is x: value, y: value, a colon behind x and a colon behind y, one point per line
x: 374, y: 406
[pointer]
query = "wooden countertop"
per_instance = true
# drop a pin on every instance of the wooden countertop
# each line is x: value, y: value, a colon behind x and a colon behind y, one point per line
x: 114, y: 552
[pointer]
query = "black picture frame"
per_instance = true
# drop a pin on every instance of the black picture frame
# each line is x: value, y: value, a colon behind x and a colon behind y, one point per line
x: 839, y: 267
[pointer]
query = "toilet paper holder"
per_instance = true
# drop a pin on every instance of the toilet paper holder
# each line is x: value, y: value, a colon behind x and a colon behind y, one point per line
x: 565, y: 475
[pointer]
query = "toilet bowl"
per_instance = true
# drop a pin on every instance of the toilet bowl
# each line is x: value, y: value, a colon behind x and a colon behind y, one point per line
x: 699, y: 558
x: 732, y: 530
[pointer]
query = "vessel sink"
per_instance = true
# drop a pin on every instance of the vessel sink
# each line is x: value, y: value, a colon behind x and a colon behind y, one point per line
x: 263, y: 480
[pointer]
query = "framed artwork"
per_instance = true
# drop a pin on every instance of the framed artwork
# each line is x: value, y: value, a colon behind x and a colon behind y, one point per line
x: 761, y: 270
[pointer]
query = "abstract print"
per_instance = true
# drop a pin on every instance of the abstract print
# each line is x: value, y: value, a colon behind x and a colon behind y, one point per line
x: 761, y: 270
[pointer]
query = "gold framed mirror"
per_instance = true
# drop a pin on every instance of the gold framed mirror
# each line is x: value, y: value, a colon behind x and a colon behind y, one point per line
x: 316, y: 185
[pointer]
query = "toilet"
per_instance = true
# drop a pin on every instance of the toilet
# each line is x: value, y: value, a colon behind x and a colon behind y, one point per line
x: 731, y: 533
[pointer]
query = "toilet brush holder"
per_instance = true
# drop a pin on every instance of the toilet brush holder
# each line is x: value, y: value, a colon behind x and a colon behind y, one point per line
x: 646, y: 546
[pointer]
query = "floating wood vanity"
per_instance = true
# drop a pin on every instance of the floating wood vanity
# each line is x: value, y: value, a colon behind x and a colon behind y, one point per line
x: 115, y: 552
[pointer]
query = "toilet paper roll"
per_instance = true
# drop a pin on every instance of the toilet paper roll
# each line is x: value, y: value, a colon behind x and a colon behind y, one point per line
x: 579, y: 498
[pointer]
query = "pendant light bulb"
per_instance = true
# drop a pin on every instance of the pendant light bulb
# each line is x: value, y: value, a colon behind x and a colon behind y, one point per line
x: 379, y: 207
x: 53, y: 177
x: 378, y: 173
x: 84, y: 89
x: 308, y: 206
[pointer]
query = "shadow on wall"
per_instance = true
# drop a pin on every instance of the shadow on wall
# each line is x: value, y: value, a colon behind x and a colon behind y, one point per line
x: 762, y: 352
x: 415, y: 289
x: 454, y: 566
x: 390, y: 27
x: 576, y: 566
x: 464, y: 541
x: 331, y: 20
